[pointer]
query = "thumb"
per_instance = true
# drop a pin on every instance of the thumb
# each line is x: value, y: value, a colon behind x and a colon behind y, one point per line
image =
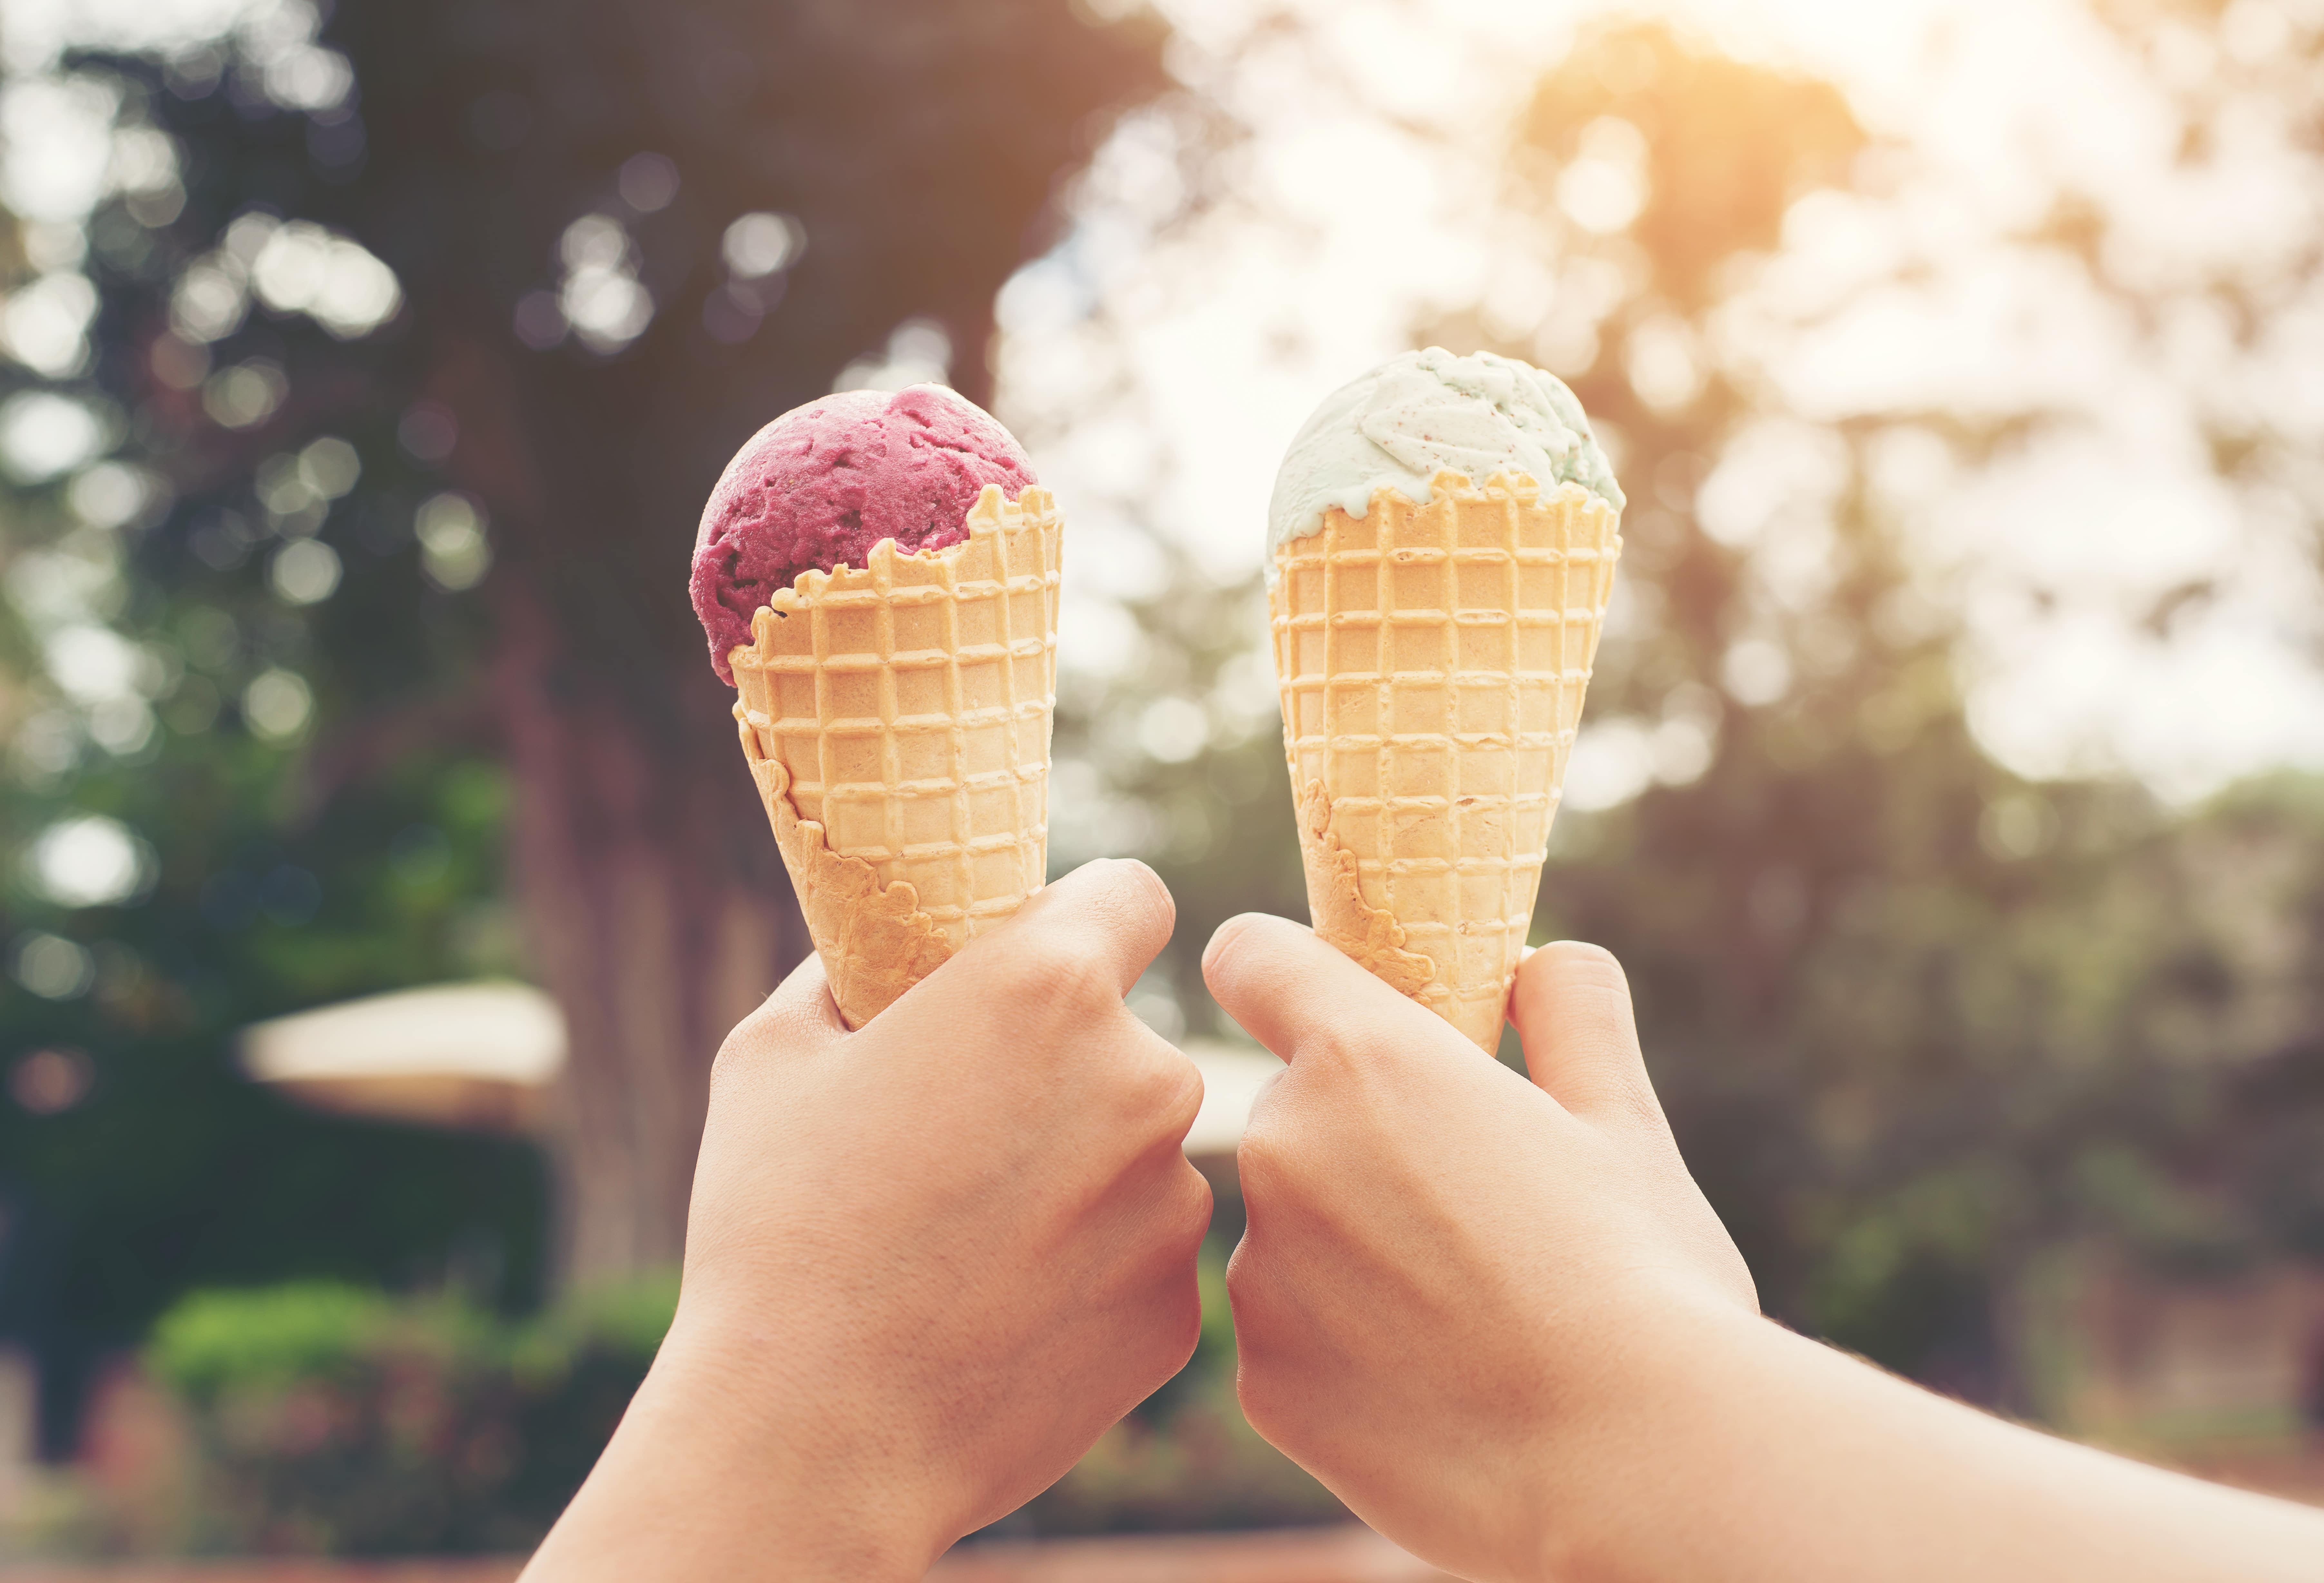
x: 1571, y: 1007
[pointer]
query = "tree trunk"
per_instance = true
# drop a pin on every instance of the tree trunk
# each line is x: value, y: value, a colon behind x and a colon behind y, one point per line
x: 650, y: 892
x: 651, y: 895
x: 903, y: 138
x: 659, y: 915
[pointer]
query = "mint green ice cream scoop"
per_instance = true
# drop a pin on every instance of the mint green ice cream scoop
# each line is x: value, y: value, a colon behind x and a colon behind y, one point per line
x: 1423, y: 412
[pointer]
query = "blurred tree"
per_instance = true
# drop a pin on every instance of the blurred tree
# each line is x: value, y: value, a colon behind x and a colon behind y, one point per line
x: 363, y: 397
x: 1916, y: 1017
x: 910, y: 150
x: 1905, y: 1006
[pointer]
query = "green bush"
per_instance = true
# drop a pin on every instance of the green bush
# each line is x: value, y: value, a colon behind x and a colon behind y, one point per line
x: 329, y: 1419
x: 214, y: 1341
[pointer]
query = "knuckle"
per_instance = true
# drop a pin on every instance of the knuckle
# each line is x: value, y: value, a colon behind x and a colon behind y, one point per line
x: 1288, y: 1170
x: 736, y: 1054
x: 1176, y: 1096
x: 1052, y: 968
x: 1239, y: 1278
x: 722, y: 1073
x: 1634, y: 1106
x: 1262, y: 1165
x: 1140, y: 893
x: 1246, y: 1299
x: 1260, y: 1393
x: 1192, y: 1212
x: 1581, y: 962
x: 1183, y: 1329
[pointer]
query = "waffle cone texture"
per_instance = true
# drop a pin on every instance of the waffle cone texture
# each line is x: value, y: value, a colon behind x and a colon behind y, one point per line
x: 1432, y: 660
x: 897, y: 720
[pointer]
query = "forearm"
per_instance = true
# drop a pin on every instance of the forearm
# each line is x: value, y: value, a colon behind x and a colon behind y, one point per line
x: 702, y: 1480
x: 1766, y: 1455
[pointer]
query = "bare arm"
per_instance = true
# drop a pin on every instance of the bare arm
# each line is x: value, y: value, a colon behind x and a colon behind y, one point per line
x: 1498, y: 1320
x: 1766, y: 1455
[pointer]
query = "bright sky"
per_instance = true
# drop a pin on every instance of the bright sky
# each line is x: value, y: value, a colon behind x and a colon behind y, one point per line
x: 1207, y: 349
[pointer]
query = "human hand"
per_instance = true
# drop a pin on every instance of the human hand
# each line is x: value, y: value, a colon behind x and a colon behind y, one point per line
x: 1455, y: 1280
x: 926, y: 1263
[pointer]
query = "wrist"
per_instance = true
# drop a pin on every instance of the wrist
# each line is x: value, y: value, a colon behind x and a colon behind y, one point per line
x: 1606, y: 1470
x: 729, y: 1463
x: 838, y: 1482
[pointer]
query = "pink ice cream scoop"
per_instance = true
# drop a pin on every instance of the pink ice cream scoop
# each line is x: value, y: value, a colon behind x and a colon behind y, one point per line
x: 821, y: 484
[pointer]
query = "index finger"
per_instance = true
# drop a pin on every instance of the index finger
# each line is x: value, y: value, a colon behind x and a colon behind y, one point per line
x: 1115, y: 910
x: 1292, y: 992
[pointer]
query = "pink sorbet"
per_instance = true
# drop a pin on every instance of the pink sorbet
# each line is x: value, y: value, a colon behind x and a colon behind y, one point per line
x: 820, y: 485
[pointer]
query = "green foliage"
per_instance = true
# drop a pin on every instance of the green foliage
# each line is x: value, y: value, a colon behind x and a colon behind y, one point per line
x: 301, y: 855
x: 336, y: 1420
x: 173, y: 1170
x: 209, y: 1341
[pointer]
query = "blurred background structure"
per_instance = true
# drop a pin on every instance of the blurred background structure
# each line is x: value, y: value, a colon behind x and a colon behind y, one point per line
x: 1950, y: 783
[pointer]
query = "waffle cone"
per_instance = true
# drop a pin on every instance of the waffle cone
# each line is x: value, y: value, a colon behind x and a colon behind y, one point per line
x: 1432, y: 660
x: 897, y: 718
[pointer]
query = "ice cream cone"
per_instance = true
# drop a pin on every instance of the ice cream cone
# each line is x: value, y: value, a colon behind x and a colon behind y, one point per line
x: 896, y: 719
x: 1432, y: 660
